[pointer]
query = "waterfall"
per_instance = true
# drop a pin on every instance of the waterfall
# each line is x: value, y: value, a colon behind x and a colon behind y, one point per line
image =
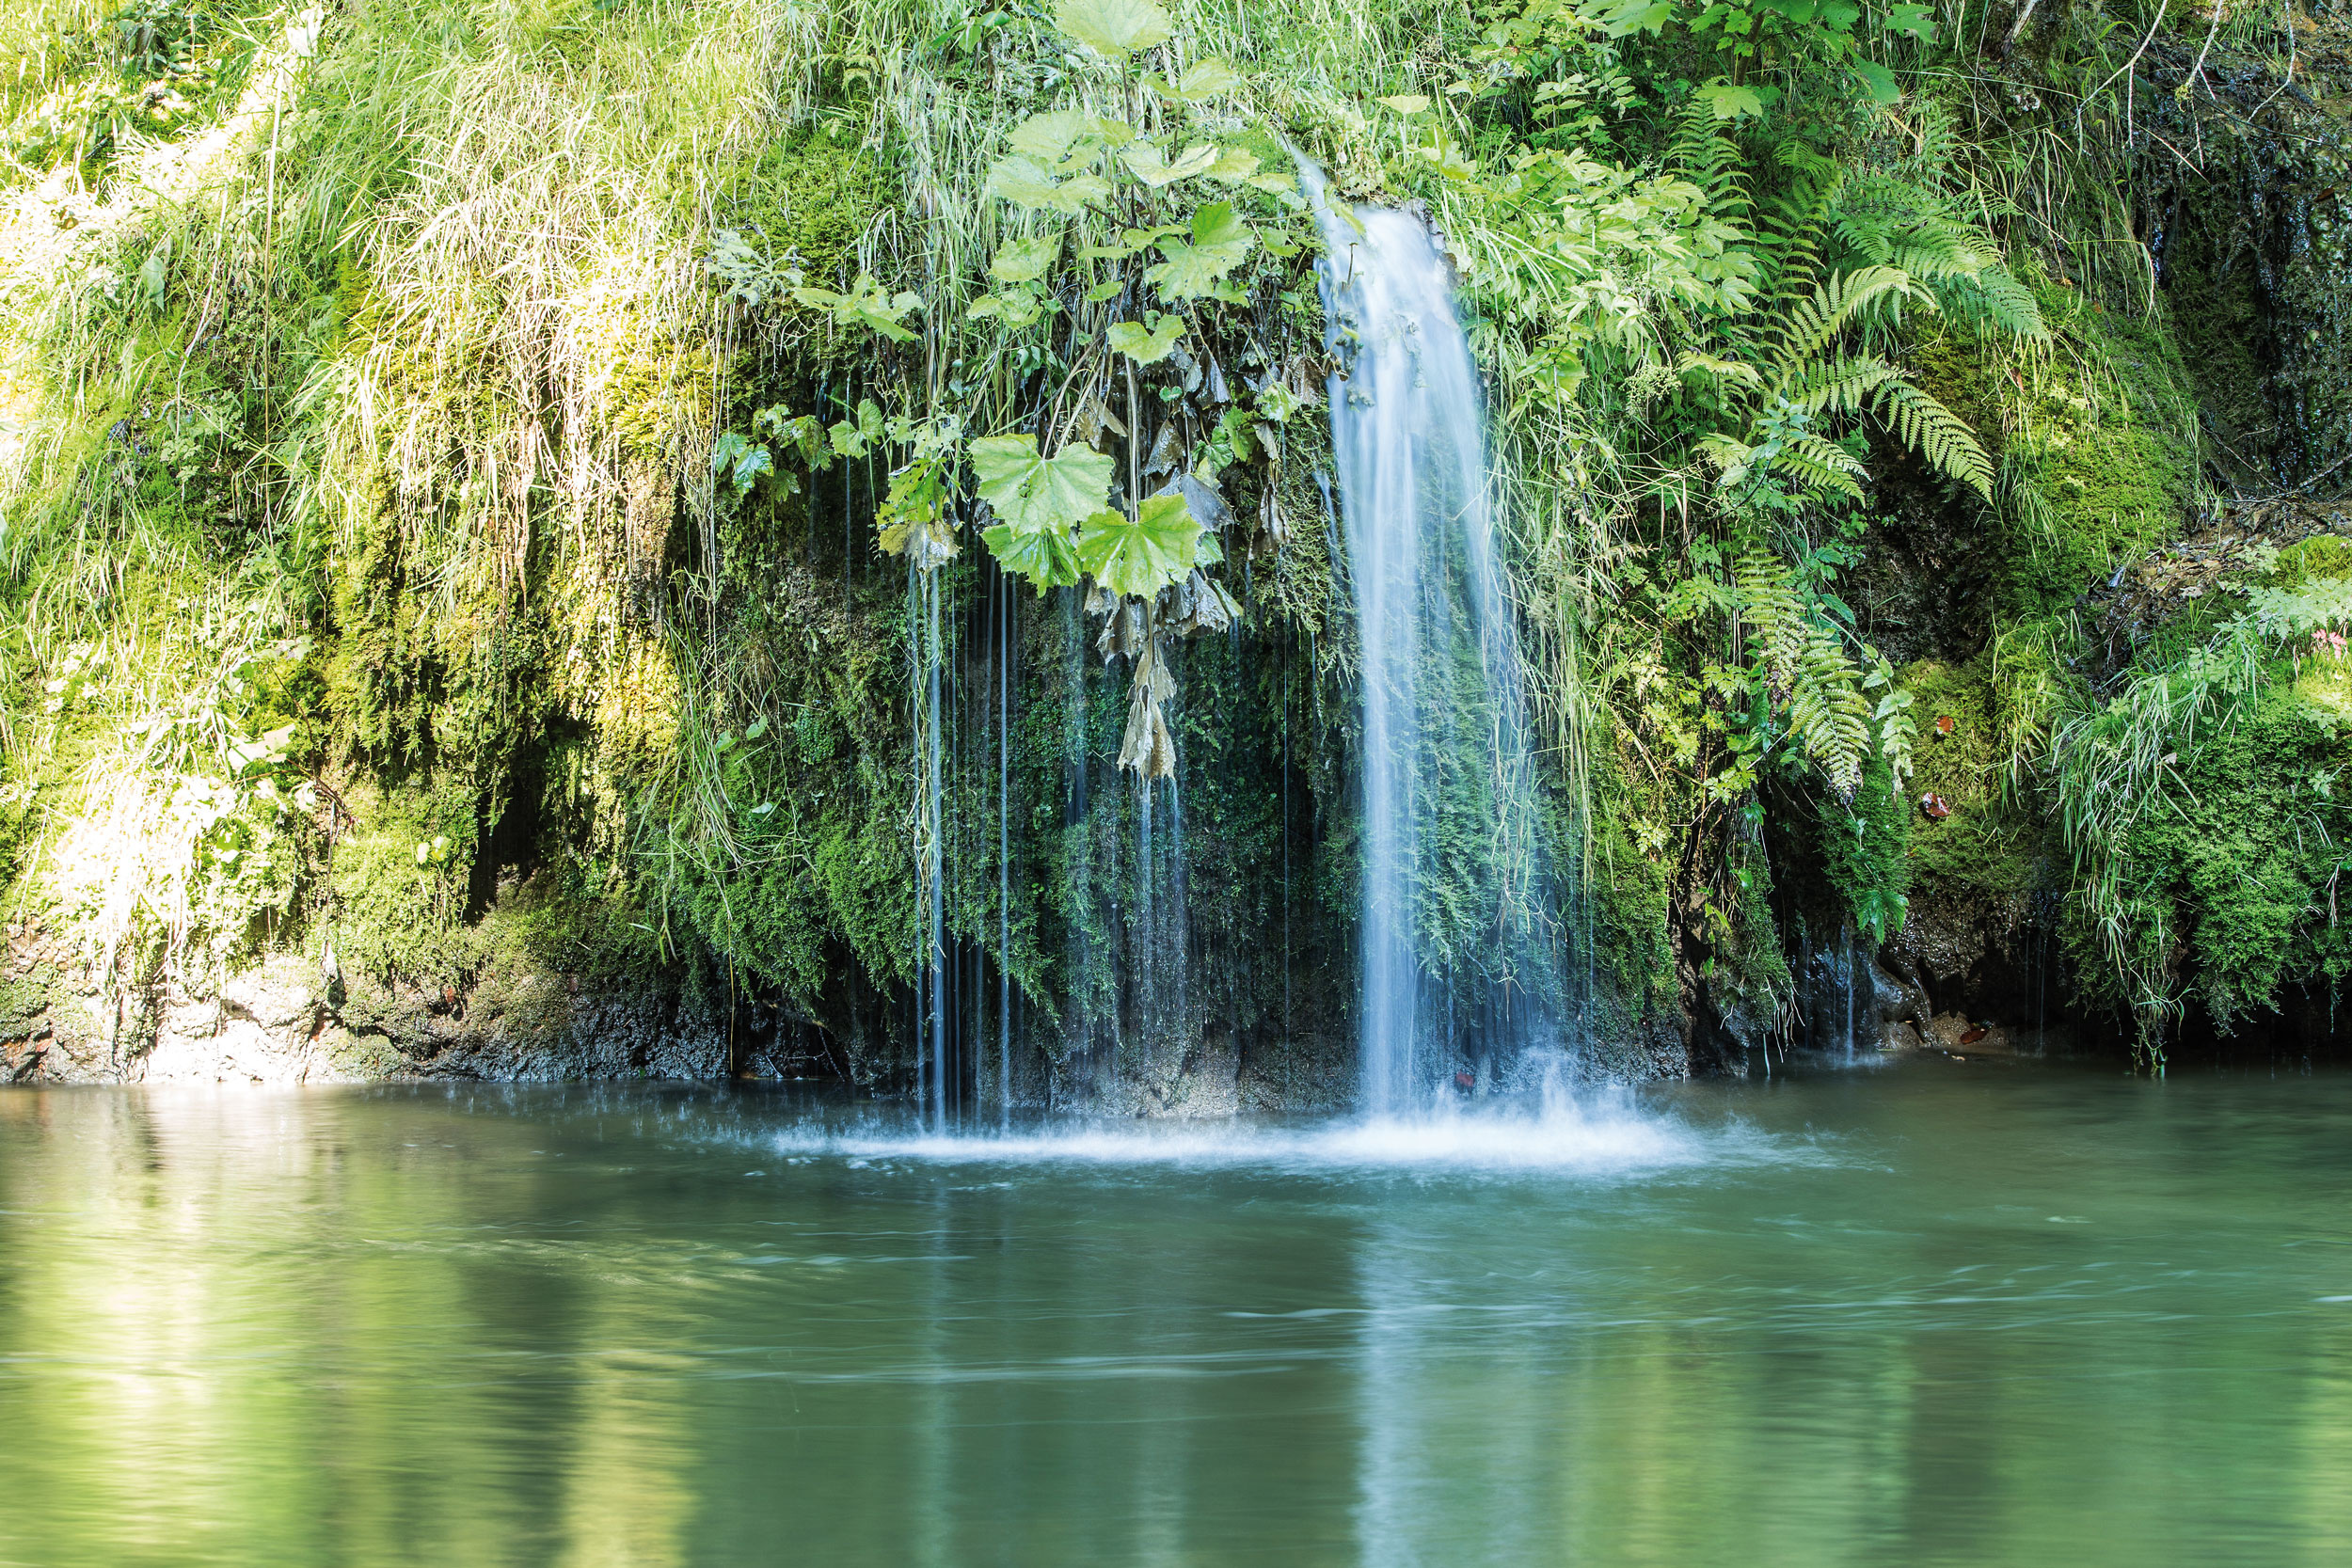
x: 1455, y: 920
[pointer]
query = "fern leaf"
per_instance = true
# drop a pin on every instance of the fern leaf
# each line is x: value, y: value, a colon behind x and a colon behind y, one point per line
x: 1702, y: 153
x: 1822, y: 466
x: 1836, y: 303
x: 1828, y: 715
x: 1839, y: 385
x: 2008, y: 304
x: 1771, y: 617
x: 1936, y: 434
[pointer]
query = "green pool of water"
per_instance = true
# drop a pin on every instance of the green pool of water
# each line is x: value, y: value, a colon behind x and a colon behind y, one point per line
x: 1940, y: 1313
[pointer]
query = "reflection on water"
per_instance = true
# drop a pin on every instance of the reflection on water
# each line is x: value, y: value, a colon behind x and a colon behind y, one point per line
x: 1942, y: 1314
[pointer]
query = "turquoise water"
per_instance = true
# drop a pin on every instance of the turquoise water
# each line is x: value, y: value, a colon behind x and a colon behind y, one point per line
x: 1940, y: 1313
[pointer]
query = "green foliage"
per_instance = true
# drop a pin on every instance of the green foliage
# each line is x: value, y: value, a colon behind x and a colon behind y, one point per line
x: 867, y: 304
x: 1142, y: 554
x: 2126, y: 775
x: 1117, y: 27
x: 532, y: 388
x: 1147, y: 344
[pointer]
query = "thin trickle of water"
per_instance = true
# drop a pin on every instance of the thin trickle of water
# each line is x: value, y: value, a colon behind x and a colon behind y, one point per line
x: 1854, y: 968
x: 1076, y: 1024
x: 1007, y: 607
x: 932, y: 973
x: 1447, y: 807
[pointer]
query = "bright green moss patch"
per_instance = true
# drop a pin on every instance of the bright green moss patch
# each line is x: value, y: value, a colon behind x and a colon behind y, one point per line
x: 2107, y: 443
x: 812, y: 202
x: 2232, y: 881
x: 1981, y: 843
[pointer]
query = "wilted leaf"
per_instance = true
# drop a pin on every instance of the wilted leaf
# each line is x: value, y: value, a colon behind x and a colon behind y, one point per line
x: 1148, y: 748
x: 1408, y: 104
x: 1044, y: 556
x: 1204, y: 501
x: 928, y: 545
x: 1117, y: 27
x: 1142, y: 554
x: 1147, y: 346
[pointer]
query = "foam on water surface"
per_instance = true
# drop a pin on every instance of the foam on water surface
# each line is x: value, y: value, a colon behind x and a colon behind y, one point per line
x: 1554, y: 1135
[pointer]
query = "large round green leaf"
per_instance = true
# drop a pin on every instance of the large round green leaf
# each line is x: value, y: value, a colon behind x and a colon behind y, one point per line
x: 1142, y: 554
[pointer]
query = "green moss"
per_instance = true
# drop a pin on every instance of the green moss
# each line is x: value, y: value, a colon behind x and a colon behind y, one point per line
x: 1983, y: 843
x: 1631, y: 901
x: 814, y: 200
x: 2221, y: 323
x: 1748, y: 965
x: 2110, y: 454
x: 2232, y: 882
x: 25, y: 1002
x: 2098, y: 436
x: 394, y: 916
x: 2322, y: 558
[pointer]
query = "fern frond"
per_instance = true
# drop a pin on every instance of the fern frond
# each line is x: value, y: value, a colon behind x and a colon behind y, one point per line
x: 1828, y: 715
x: 1731, y: 371
x: 1836, y: 302
x: 1822, y: 465
x: 1791, y: 232
x: 1771, y: 617
x: 1839, y: 385
x: 1936, y: 434
x: 1702, y: 152
x: 2006, y: 303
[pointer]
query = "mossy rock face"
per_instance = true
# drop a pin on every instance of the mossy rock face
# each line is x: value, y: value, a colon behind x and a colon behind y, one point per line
x: 1981, y: 843
x: 398, y: 887
x: 26, y: 1003
x: 2098, y: 434
x: 2254, y: 249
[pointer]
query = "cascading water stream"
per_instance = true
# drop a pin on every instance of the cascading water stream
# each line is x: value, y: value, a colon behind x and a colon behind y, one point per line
x: 1447, y: 804
x: 931, y: 977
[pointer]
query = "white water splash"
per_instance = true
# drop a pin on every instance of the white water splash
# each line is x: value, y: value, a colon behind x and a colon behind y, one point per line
x: 1541, y: 1133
